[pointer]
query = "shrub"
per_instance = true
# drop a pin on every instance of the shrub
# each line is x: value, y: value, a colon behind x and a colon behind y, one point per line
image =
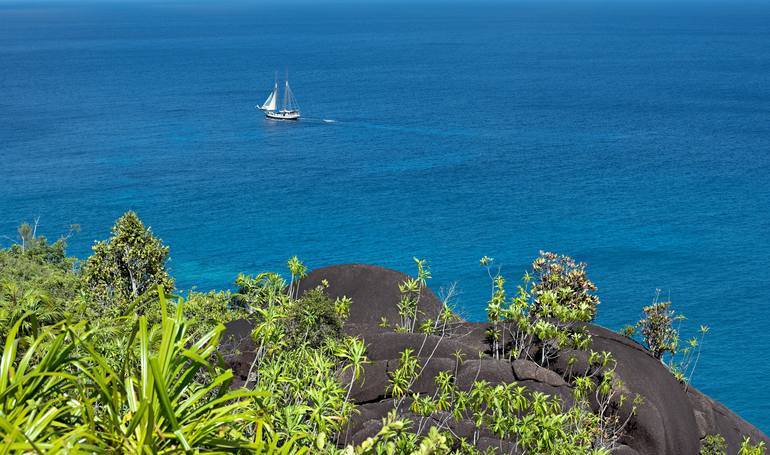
x: 545, y: 311
x: 38, y: 280
x: 713, y: 444
x: 312, y: 319
x: 747, y: 448
x: 562, y: 289
x: 204, y: 311
x: 411, y: 291
x: 662, y: 339
x: 657, y: 328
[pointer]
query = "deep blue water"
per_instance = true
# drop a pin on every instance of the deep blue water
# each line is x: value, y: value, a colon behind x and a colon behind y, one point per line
x: 634, y: 137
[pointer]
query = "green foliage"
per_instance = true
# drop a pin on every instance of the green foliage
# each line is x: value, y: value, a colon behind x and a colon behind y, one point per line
x: 747, y: 448
x: 713, y: 444
x: 627, y: 331
x: 130, y: 263
x: 395, y: 438
x: 204, y: 311
x: 411, y: 291
x: 312, y: 319
x: 72, y: 398
x: 305, y: 396
x: 37, y: 249
x: 657, y: 328
x: 663, y: 340
x: 298, y: 271
x: 301, y: 356
x: 562, y: 289
x: 402, y: 378
x: 263, y: 290
x: 38, y: 280
x: 353, y: 354
x: 545, y: 312
x: 542, y: 318
x: 286, y: 322
x: 535, y: 422
x: 81, y: 370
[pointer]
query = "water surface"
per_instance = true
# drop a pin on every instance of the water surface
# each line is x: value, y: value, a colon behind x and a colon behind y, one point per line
x: 632, y: 137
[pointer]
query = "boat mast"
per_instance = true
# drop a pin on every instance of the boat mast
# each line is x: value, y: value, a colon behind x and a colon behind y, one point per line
x: 275, y: 90
x: 286, y: 91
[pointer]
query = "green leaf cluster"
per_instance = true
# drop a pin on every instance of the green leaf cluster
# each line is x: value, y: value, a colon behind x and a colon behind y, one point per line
x: 38, y: 280
x: 128, y: 265
x: 713, y: 444
x: 70, y: 398
x: 545, y: 314
x: 663, y: 340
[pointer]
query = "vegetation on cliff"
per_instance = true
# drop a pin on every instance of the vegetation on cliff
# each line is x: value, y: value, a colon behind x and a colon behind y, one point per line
x: 101, y: 356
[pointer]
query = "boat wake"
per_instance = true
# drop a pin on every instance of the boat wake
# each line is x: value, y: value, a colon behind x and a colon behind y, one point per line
x: 318, y: 120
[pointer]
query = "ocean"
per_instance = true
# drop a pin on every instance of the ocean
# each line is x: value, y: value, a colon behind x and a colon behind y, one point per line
x: 633, y: 136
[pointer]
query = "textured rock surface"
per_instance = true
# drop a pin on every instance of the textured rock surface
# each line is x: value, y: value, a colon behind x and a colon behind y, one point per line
x: 713, y: 417
x: 374, y: 290
x: 238, y: 348
x: 665, y: 422
x: 526, y: 370
x: 670, y: 421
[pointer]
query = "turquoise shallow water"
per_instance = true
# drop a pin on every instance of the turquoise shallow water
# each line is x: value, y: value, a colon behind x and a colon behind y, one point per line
x: 632, y: 137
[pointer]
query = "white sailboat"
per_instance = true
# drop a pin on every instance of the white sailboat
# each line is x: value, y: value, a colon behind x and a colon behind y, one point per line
x: 289, y: 108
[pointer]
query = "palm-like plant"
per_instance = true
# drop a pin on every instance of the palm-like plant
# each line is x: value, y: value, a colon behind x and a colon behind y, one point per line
x: 298, y: 271
x: 33, y: 305
x: 163, y: 407
x: 353, y: 352
x: 36, y: 413
x: 70, y: 397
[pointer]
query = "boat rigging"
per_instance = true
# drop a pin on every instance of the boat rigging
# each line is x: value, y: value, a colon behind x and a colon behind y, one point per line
x: 289, y: 108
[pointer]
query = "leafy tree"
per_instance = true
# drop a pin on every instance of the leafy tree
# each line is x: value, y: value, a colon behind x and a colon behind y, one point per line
x: 130, y: 263
x: 663, y: 339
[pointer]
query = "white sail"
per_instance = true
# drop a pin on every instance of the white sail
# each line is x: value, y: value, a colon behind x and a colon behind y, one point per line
x: 270, y: 102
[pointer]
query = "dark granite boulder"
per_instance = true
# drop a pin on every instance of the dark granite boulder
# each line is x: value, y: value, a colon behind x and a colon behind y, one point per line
x: 669, y: 421
x: 665, y: 422
x: 624, y: 450
x: 372, y: 384
x: 373, y: 289
x: 527, y: 370
x: 489, y: 370
x: 713, y: 417
x: 237, y: 346
x: 382, y: 346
